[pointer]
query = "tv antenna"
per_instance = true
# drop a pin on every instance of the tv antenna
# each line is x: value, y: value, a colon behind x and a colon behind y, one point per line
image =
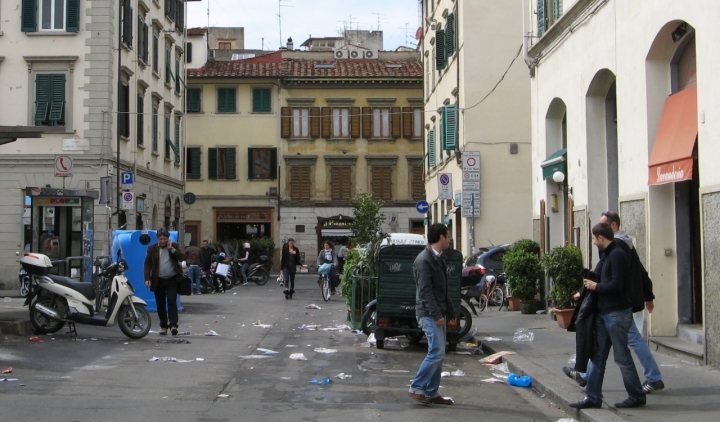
x: 279, y: 15
x: 379, y: 15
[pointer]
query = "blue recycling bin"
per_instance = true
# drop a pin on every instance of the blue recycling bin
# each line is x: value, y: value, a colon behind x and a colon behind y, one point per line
x: 128, y: 241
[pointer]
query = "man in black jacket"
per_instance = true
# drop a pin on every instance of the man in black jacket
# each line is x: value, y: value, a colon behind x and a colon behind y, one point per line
x: 433, y: 310
x: 612, y: 323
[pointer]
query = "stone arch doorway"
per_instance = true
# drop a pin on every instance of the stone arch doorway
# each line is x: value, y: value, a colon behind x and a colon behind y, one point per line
x: 558, y: 213
x: 602, y: 147
x: 674, y: 198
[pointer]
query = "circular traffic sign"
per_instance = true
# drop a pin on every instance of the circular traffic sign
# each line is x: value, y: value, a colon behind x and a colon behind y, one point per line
x: 471, y: 161
x: 127, y: 196
x: 189, y: 198
x: 444, y: 179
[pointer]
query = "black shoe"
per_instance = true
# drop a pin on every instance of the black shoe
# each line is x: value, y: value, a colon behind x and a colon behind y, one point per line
x: 174, y: 330
x: 651, y: 387
x: 291, y: 293
x: 629, y: 403
x: 586, y: 404
x: 575, y: 375
x: 287, y: 294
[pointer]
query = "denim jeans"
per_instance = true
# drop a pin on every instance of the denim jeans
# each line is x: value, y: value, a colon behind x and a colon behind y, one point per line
x: 194, y: 274
x: 427, y: 380
x: 641, y: 349
x: 243, y: 272
x: 612, y: 332
x: 289, y: 279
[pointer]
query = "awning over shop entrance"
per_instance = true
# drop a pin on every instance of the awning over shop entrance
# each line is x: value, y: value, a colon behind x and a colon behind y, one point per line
x: 671, y: 159
x: 337, y: 233
x: 555, y: 162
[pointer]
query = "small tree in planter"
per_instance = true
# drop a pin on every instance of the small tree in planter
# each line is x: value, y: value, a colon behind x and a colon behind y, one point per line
x: 563, y: 265
x: 523, y: 270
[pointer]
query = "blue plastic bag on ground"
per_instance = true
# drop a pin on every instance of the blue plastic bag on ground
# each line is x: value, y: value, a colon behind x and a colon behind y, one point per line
x: 518, y: 381
x: 324, y: 381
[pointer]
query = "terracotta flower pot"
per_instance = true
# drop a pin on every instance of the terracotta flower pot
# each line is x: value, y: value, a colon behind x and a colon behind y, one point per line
x: 513, y: 303
x: 564, y: 316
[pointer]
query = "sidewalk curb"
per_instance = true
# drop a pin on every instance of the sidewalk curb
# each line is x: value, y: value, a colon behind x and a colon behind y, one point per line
x: 553, y: 387
x: 21, y: 327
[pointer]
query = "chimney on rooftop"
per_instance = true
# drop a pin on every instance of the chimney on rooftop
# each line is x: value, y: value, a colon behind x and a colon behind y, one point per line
x: 290, y: 45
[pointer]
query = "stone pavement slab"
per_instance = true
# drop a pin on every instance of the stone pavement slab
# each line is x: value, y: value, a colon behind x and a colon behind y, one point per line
x: 692, y: 391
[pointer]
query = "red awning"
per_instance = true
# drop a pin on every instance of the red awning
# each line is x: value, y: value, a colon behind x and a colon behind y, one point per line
x: 671, y: 159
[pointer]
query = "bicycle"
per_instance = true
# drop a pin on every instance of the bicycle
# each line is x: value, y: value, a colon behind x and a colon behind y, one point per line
x: 324, y: 281
x: 495, y: 293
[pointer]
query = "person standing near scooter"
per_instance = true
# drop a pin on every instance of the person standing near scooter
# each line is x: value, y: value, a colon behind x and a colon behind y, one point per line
x: 245, y: 261
x: 193, y: 256
x: 162, y: 275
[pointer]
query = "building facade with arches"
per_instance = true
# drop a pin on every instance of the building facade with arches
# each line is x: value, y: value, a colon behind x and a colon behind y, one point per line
x: 624, y: 119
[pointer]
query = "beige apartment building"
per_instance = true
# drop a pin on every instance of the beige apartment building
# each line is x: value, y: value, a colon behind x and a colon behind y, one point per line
x: 104, y: 80
x: 277, y: 144
x: 477, y: 99
x: 624, y: 109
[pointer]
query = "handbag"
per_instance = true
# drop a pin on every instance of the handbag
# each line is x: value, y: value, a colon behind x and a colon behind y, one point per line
x: 222, y: 269
x: 325, y: 268
x: 185, y: 287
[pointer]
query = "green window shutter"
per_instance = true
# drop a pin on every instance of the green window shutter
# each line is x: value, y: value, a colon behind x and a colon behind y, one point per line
x: 29, y: 15
x: 72, y: 16
x: 139, y: 36
x: 146, y: 31
x: 541, y: 17
x: 449, y: 131
x: 127, y: 25
x: 226, y: 100
x: 440, y: 53
x: 177, y: 141
x: 177, y: 74
x: 212, y: 163
x: 156, y: 53
x: 450, y: 35
x: 431, y: 148
x: 273, y: 163
x: 188, y: 52
x: 250, y: 162
x: 193, y: 100
x: 557, y: 9
x: 42, y: 97
x: 140, y: 120
x: 57, y: 98
x: 167, y: 66
x: 168, y: 142
x: 193, y: 156
x: 155, y: 130
x: 221, y: 94
x: 261, y: 100
x: 231, y: 165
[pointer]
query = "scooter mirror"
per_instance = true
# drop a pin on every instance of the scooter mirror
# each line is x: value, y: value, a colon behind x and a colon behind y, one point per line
x: 145, y: 239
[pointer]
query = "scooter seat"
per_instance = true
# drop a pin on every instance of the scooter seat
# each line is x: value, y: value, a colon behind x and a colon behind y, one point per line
x: 86, y: 289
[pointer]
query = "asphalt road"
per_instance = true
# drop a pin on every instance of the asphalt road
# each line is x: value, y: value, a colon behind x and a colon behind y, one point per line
x: 104, y: 376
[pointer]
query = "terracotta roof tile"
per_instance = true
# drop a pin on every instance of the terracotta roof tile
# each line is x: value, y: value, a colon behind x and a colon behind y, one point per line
x: 310, y: 68
x: 196, y: 31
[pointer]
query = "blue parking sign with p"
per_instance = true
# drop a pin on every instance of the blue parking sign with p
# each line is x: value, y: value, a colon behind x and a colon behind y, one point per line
x: 126, y: 179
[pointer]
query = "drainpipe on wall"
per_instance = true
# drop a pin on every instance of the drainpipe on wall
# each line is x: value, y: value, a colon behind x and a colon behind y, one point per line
x: 529, y: 61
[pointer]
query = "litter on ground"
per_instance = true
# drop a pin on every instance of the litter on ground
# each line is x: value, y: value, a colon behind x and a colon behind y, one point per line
x: 457, y: 373
x: 223, y: 396
x: 343, y: 376
x: 267, y: 351
x: 247, y: 357
x: 496, y: 357
x: 312, y: 306
x: 258, y: 324
x: 211, y: 333
x: 316, y: 381
x: 522, y: 334
x: 6, y: 371
x: 169, y: 359
x: 502, y: 367
x: 324, y: 350
x: 493, y: 380
x: 173, y: 341
x: 298, y: 356
x: 490, y: 339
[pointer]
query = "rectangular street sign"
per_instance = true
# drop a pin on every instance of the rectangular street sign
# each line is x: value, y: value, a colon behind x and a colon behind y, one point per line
x: 445, y: 190
x: 471, y: 175
x: 471, y: 186
x: 126, y: 180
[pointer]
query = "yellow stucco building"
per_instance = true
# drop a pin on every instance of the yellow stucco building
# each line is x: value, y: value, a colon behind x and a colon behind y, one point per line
x: 277, y: 144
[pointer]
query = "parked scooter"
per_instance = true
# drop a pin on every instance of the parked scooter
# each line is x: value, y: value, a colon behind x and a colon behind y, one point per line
x: 55, y: 300
x: 368, y: 323
x: 24, y: 282
x: 259, y: 272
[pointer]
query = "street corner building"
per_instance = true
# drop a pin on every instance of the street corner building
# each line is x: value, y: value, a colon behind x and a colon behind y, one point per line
x: 278, y: 141
x: 104, y: 82
x: 624, y: 118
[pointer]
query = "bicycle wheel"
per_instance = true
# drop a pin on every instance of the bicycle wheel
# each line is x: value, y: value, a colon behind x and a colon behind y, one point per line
x: 496, y: 298
x: 325, y: 287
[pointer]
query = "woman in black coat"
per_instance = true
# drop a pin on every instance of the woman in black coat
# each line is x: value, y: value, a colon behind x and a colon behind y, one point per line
x: 289, y: 260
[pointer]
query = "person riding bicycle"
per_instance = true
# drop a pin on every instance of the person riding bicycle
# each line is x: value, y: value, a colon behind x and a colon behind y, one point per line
x: 328, y: 256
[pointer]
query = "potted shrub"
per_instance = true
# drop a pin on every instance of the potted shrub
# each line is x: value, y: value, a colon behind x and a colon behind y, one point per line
x: 563, y: 265
x: 521, y: 264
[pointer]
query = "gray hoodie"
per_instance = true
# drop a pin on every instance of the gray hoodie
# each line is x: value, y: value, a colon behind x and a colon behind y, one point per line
x: 621, y: 235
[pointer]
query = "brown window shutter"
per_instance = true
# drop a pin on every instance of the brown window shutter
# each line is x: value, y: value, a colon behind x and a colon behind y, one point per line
x: 422, y: 122
x: 326, y: 122
x: 367, y: 122
x: 340, y: 183
x: 395, y: 122
x: 355, y: 122
x: 382, y: 182
x: 286, y: 122
x: 418, y: 183
x: 299, y: 182
x: 314, y: 122
x: 407, y: 119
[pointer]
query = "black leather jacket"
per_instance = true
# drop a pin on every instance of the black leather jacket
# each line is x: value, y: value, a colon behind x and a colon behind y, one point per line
x: 431, y: 298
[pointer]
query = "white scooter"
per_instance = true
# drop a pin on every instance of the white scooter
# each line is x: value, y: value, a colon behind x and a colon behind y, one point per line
x: 55, y: 300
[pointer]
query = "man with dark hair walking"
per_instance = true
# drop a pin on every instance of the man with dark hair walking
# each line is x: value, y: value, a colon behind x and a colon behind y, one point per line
x: 193, y: 258
x: 162, y: 274
x: 612, y: 323
x: 434, y: 311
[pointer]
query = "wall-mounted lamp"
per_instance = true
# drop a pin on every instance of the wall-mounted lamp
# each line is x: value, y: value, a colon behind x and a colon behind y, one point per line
x: 679, y: 32
x: 559, y: 178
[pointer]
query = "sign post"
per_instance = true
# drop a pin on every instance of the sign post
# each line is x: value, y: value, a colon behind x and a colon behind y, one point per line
x: 128, y: 201
x: 471, y: 192
x: 445, y: 186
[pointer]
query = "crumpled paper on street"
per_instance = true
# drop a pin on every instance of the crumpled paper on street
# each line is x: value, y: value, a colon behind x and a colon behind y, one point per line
x: 522, y: 334
x: 169, y: 359
x: 324, y: 350
x: 267, y: 351
x: 298, y: 356
x: 259, y: 324
x: 457, y: 373
x: 310, y: 327
x: 212, y: 333
x: 496, y: 358
x: 343, y: 376
x: 312, y: 306
x: 502, y: 367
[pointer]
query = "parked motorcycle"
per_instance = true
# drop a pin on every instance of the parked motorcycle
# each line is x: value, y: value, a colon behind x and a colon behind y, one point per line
x: 24, y: 282
x: 368, y: 321
x: 56, y: 300
x: 259, y: 272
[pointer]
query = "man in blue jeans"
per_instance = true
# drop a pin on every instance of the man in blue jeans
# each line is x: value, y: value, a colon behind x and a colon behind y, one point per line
x: 612, y: 323
x: 433, y: 310
x: 193, y: 258
x: 653, y: 377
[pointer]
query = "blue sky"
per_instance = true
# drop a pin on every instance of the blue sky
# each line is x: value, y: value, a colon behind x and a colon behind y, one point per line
x: 301, y: 18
